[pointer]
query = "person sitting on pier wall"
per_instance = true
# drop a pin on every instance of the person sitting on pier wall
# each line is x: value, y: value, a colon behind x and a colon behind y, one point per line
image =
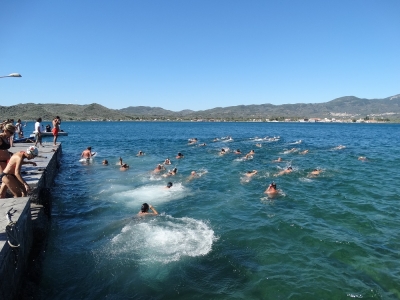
x: 11, y: 177
x: 8, y: 130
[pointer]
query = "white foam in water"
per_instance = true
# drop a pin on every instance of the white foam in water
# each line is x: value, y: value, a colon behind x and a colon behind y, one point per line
x: 152, y: 194
x: 296, y: 142
x: 113, y: 188
x: 163, y: 239
x: 305, y: 179
x: 154, y: 177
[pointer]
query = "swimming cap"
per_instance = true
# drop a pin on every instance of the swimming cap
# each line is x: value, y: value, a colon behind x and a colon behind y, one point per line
x: 32, y: 150
x: 169, y: 184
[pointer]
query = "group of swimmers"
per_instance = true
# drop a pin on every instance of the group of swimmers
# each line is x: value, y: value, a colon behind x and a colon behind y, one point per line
x: 271, y: 190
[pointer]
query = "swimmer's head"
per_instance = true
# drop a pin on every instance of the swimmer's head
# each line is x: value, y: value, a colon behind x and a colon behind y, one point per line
x: 144, y: 208
x: 89, y: 148
x: 193, y: 173
x: 175, y: 170
x: 290, y: 168
x: 169, y: 184
x: 32, y: 150
x: 105, y: 162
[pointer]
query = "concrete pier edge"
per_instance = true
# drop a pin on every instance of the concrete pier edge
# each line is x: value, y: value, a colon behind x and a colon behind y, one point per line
x: 32, y: 219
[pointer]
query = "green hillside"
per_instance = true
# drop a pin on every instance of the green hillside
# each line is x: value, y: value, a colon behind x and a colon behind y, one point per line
x: 344, y: 107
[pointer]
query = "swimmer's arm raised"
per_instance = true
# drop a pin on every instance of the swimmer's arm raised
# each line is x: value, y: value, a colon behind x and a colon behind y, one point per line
x: 153, y: 209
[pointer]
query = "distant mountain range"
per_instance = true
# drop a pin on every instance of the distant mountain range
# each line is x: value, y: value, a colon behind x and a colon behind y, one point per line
x: 341, y: 108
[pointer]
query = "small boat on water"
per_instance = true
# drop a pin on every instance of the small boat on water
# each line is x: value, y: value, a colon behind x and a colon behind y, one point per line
x: 46, y: 133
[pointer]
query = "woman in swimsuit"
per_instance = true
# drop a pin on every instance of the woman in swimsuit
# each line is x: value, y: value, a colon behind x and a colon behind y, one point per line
x: 11, y: 176
x: 8, y: 131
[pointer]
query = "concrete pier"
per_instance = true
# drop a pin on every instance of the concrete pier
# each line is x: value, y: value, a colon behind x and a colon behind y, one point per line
x: 29, y: 216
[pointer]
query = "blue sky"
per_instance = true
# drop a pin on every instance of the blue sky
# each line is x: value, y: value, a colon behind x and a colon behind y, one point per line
x: 198, y: 54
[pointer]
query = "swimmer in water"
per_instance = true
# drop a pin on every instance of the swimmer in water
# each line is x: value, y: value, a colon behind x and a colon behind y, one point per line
x: 278, y: 160
x: 237, y: 151
x: 140, y: 153
x: 314, y: 173
x: 304, y: 152
x: 87, y: 153
x: 144, y: 210
x: 169, y: 185
x: 171, y: 173
x: 251, y: 173
x: 193, y: 175
x: 159, y: 168
x: 167, y: 162
x: 291, y: 150
x: 258, y: 145
x: 271, y: 190
x: 286, y: 171
x: 362, y: 158
x: 192, y: 141
x: 105, y: 162
x: 222, y: 151
x: 179, y: 156
x: 124, y: 167
x: 250, y: 154
x: 202, y: 145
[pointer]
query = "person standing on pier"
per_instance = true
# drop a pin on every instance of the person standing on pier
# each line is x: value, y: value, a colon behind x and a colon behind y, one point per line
x: 11, y: 177
x: 38, y: 132
x: 18, y: 129
x: 56, y: 128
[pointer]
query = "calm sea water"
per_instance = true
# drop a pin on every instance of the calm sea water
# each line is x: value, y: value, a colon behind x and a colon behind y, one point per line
x: 335, y: 236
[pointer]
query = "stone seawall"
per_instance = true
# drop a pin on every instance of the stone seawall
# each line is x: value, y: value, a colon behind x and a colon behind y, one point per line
x: 30, y: 220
